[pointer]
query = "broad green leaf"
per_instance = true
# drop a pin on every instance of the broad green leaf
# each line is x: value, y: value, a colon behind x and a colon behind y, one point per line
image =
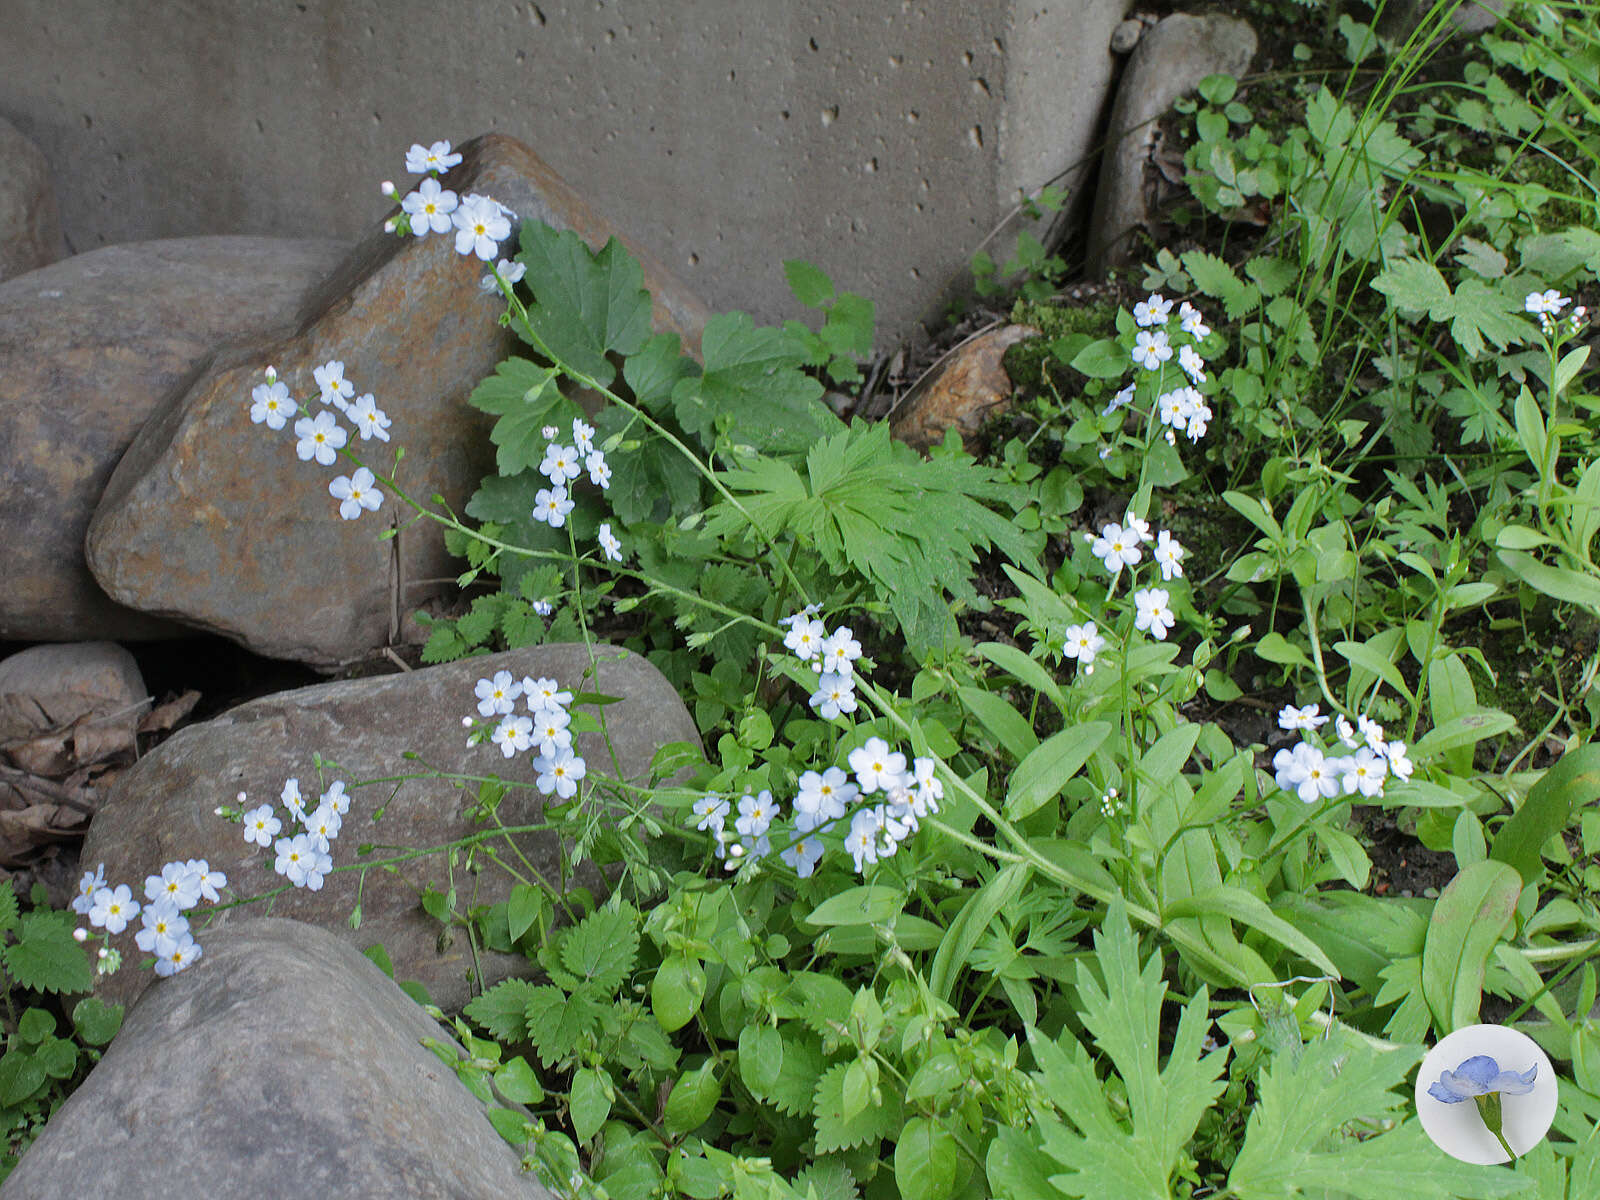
x: 1571, y: 783
x: 1465, y: 730
x: 585, y: 305
x: 1469, y: 918
x: 760, y: 1058
x: 525, y: 399
x: 523, y: 908
x: 926, y: 1160
x: 1369, y: 658
x: 676, y: 990
x: 655, y: 370
x: 809, y: 283
x: 870, y: 905
x: 1104, y: 359
x: 515, y: 1080
x: 693, y: 1097
x: 96, y: 1021
x: 588, y: 1103
x: 1040, y: 776
x: 1276, y: 648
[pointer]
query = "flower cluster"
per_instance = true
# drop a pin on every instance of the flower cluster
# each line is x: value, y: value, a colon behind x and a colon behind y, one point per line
x: 1547, y: 306
x: 546, y: 728
x: 1122, y: 545
x: 832, y: 655
x: 165, y: 930
x: 1311, y: 773
x: 480, y: 223
x: 322, y: 437
x: 902, y: 799
x: 303, y: 858
x: 1181, y: 409
x: 561, y: 466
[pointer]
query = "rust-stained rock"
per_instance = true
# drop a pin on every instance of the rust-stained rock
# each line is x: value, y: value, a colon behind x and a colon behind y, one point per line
x: 88, y: 348
x: 30, y: 223
x: 214, y: 521
x: 965, y: 390
x: 161, y: 809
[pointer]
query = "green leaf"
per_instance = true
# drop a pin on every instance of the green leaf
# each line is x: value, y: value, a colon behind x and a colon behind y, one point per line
x: 693, y: 1097
x: 20, y: 1077
x: 676, y: 991
x: 1216, y: 278
x: 871, y: 905
x: 601, y: 948
x: 1249, y: 909
x: 1310, y: 1130
x: 1040, y: 777
x: 96, y: 1021
x: 588, y: 1103
x: 516, y: 1081
x: 35, y: 1025
x: 45, y: 958
x: 837, y: 1132
x: 1369, y: 658
x: 971, y: 923
x: 926, y: 1160
x: 1103, y: 359
x: 1013, y: 730
x: 1476, y: 310
x: 8, y: 907
x: 752, y: 382
x: 558, y: 1023
x: 524, y: 908
x: 525, y: 399
x: 1131, y: 1152
x: 1469, y: 918
x: 1024, y: 669
x: 501, y: 1010
x: 760, y: 1058
x: 809, y: 283
x: 1562, y: 584
x: 585, y: 305
x: 1571, y: 783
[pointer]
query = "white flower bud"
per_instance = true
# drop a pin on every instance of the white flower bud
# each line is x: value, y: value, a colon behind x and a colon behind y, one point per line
x: 271, y: 373
x: 80, y: 935
x: 466, y: 722
x: 103, y: 952
x: 386, y: 187
x: 388, y: 226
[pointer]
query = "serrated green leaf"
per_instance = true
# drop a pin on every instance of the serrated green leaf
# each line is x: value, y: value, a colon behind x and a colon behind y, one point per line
x: 1106, y: 1156
x: 558, y: 1022
x: 585, y: 305
x: 8, y: 907
x: 752, y: 382
x: 809, y: 283
x: 525, y: 399
x: 1297, y: 1140
x: 45, y: 958
x: 796, y: 1085
x: 602, y: 947
x: 1216, y: 278
x: 836, y: 1132
x: 502, y: 1009
x: 655, y: 370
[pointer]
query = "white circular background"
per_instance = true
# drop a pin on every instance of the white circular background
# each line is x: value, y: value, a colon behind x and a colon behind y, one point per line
x: 1458, y: 1129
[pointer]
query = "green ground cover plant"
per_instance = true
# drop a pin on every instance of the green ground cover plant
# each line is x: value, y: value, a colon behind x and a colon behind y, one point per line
x: 1032, y: 851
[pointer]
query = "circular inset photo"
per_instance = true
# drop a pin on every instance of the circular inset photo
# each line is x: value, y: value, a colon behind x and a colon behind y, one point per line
x: 1476, y: 1072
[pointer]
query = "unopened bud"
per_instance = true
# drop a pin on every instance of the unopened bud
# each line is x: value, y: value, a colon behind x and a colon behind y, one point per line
x: 80, y: 935
x: 271, y: 373
x: 388, y: 226
x: 386, y: 187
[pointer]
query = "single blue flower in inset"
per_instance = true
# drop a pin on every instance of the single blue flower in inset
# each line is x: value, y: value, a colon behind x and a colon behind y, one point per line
x: 1479, y: 1076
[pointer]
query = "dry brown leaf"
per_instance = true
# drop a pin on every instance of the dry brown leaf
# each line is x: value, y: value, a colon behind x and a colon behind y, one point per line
x: 167, y: 714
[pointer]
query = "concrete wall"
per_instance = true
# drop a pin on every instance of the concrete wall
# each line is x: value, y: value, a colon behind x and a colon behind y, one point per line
x: 882, y: 139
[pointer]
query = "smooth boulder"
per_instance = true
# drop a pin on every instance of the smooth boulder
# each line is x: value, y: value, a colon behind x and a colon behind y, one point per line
x: 30, y: 223
x: 89, y: 347
x: 1168, y: 61
x: 162, y: 808
x: 214, y: 520
x: 282, y: 1063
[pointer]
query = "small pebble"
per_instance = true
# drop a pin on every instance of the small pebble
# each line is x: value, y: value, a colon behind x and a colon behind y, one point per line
x: 1126, y: 36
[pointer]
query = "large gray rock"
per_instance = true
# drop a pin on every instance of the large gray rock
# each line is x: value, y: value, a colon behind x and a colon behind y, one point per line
x: 214, y: 521
x: 282, y: 1063
x: 1169, y: 60
x: 88, y: 347
x: 162, y: 808
x: 30, y: 225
